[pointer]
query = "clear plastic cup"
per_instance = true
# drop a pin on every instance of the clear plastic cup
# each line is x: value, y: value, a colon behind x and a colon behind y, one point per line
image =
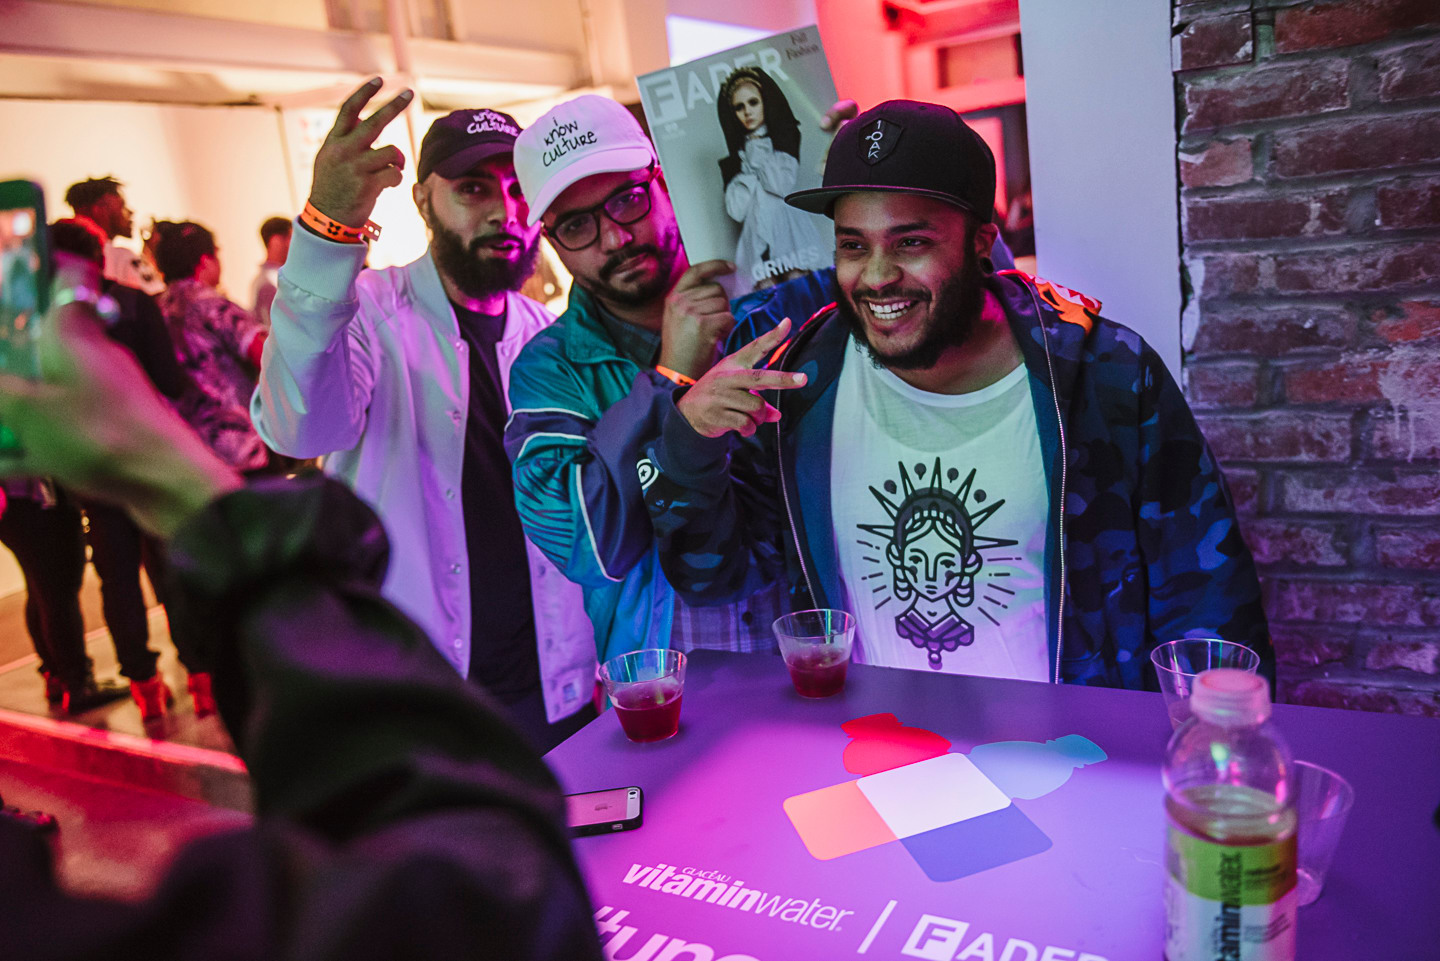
x: 646, y: 688
x: 1178, y: 663
x: 1322, y: 804
x: 816, y: 647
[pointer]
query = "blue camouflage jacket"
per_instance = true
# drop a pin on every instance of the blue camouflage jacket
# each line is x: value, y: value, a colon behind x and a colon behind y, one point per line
x: 1144, y: 546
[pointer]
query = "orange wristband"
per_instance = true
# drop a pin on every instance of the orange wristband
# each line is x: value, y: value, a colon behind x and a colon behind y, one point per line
x: 335, y: 230
x: 674, y: 376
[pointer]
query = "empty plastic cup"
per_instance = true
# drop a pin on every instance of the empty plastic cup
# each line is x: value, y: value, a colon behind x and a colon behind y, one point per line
x: 816, y: 648
x: 1178, y: 663
x: 646, y: 688
x: 1322, y: 805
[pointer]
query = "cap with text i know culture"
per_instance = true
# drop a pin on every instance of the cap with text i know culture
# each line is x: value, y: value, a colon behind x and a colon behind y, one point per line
x: 580, y: 138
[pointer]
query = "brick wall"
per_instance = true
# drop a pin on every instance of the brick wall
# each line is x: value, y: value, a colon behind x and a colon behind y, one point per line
x: 1309, y: 158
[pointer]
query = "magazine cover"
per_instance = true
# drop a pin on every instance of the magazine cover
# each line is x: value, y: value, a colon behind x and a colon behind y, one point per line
x: 736, y: 132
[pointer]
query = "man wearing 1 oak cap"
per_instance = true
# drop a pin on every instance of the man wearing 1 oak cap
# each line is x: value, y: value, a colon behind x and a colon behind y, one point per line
x: 994, y: 478
x: 398, y: 377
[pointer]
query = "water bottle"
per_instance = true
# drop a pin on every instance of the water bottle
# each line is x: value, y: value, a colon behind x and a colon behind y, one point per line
x: 1230, y: 852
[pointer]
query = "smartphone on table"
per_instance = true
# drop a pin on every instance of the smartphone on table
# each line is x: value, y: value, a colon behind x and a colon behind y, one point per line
x: 24, y: 282
x: 604, y: 812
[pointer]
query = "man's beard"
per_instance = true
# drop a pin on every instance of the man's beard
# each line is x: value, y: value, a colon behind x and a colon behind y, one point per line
x: 954, y: 311
x: 647, y: 291
x: 474, y: 273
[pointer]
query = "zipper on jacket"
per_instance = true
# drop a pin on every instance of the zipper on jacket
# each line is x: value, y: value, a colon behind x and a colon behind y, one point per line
x: 789, y: 514
x: 1064, y: 465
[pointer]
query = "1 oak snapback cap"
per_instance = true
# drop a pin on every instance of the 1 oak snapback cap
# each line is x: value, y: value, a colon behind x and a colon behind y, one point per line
x: 580, y: 138
x: 906, y: 146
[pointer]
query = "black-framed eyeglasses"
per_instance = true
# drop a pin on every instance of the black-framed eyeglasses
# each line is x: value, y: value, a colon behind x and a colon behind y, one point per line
x: 581, y: 228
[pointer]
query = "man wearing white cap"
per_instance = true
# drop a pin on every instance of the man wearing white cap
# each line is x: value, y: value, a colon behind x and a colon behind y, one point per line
x: 589, y: 391
x: 398, y: 377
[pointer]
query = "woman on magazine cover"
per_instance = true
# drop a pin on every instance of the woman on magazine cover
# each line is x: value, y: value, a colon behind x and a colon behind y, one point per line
x: 777, y: 242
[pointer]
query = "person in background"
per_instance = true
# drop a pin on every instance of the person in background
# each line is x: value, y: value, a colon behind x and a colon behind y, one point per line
x: 275, y: 235
x: 398, y: 377
x: 992, y: 477
x: 426, y: 829
x: 42, y: 527
x: 100, y: 201
x: 588, y: 391
x: 117, y: 546
x: 219, y: 343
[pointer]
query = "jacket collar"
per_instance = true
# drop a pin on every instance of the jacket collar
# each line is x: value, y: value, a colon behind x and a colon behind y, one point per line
x: 583, y: 335
x: 429, y: 295
x: 1050, y: 328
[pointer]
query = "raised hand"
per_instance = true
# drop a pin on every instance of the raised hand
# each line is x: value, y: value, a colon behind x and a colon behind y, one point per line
x: 349, y: 173
x: 839, y: 112
x: 697, y: 319
x: 727, y: 399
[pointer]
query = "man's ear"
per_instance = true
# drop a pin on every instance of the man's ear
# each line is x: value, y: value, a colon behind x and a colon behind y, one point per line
x: 985, y: 239
x: 419, y: 193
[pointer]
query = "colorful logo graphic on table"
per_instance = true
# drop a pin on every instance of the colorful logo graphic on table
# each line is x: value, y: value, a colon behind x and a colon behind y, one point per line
x: 954, y: 813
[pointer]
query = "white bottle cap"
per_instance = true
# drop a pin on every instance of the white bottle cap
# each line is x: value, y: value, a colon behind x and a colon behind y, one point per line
x: 1230, y: 698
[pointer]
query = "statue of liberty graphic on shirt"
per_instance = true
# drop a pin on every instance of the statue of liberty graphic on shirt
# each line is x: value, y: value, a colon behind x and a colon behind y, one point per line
x: 934, y: 554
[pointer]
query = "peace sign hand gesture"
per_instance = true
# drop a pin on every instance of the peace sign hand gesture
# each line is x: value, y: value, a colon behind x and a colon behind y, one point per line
x: 349, y: 174
x: 728, y: 397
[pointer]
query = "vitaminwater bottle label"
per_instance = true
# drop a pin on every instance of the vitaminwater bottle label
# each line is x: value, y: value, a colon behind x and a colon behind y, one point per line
x: 1229, y: 902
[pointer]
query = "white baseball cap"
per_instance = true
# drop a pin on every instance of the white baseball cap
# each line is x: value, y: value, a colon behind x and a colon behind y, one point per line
x: 580, y: 138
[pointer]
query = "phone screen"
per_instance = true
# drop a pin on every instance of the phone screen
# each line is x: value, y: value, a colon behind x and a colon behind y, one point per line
x: 21, y: 284
x: 603, y: 807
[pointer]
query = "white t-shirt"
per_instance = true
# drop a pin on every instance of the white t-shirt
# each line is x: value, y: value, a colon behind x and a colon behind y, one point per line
x: 124, y: 266
x: 940, y: 510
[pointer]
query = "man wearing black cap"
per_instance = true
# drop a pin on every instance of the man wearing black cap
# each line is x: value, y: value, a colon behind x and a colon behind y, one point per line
x: 398, y: 377
x: 990, y: 476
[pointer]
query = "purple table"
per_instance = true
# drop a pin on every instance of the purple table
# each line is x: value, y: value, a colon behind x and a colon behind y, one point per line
x: 1077, y: 871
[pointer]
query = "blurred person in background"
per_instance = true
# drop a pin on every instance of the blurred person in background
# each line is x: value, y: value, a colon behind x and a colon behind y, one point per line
x: 42, y: 527
x: 117, y: 545
x: 275, y: 235
x: 218, y: 342
x: 100, y: 201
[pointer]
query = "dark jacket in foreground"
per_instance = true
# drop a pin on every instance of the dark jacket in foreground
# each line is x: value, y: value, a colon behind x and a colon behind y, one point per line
x: 397, y: 816
x: 1146, y: 548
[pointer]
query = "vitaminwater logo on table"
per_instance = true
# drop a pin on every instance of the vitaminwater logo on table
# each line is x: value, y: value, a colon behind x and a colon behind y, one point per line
x: 721, y: 890
x: 953, y: 813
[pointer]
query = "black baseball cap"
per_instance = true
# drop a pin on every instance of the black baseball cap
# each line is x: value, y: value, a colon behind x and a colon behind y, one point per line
x: 907, y: 147
x: 458, y: 141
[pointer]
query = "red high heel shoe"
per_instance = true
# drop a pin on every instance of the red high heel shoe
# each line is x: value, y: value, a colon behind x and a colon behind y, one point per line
x: 202, y: 695
x: 152, y: 696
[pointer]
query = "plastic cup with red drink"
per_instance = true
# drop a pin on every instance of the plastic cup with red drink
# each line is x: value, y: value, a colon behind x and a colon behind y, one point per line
x: 816, y: 647
x: 646, y: 688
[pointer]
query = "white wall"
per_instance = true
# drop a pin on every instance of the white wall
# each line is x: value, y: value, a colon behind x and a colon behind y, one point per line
x: 1101, y: 107
x: 219, y: 166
